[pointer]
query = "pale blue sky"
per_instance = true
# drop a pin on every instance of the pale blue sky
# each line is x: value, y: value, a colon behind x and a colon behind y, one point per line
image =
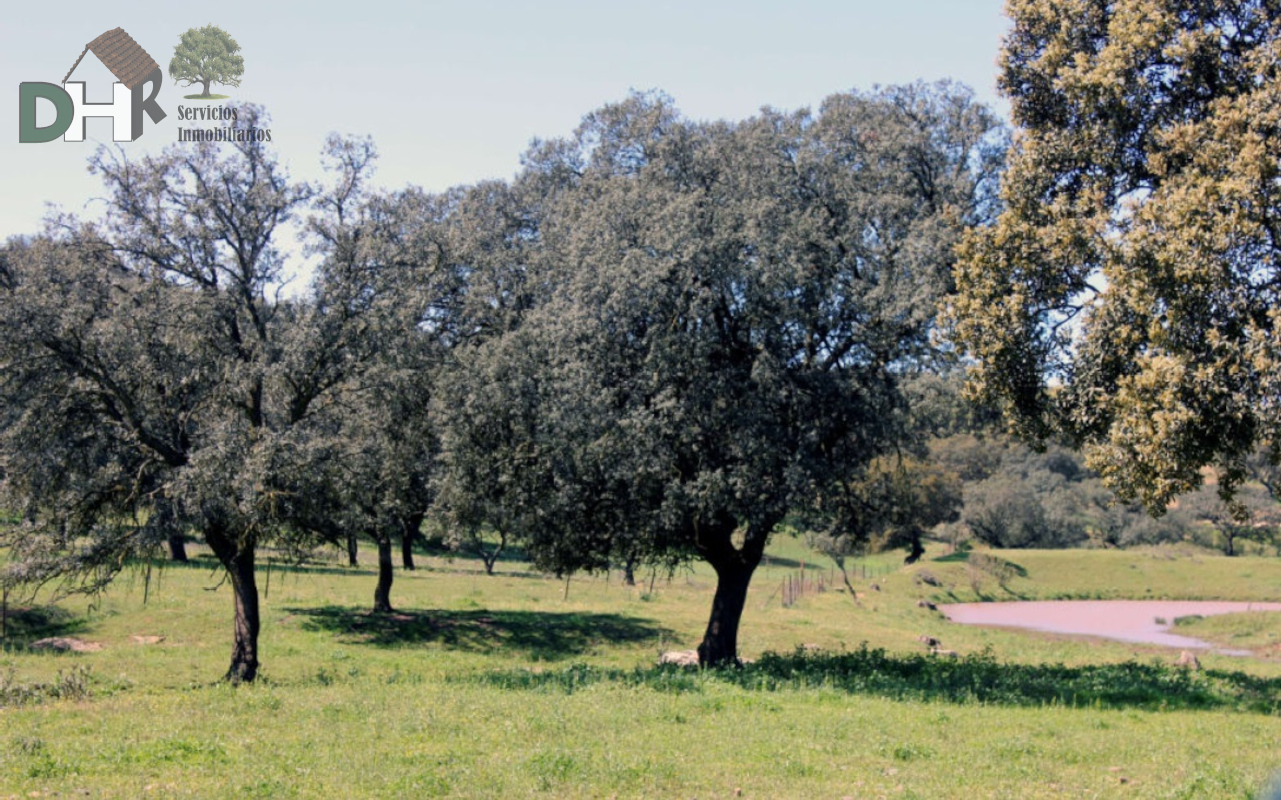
x: 452, y: 92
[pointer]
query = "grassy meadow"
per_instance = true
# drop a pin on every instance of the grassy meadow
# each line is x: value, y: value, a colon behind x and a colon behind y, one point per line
x: 518, y: 684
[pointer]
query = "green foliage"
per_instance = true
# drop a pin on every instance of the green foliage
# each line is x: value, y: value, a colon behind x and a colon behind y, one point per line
x: 982, y: 566
x: 207, y: 55
x: 897, y: 499
x: 1016, y: 497
x: 724, y: 312
x: 1252, y: 516
x: 973, y: 678
x: 149, y: 365
x: 1126, y: 296
x: 74, y: 684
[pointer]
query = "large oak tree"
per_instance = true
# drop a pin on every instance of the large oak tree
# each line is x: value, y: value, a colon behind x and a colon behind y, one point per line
x: 149, y: 359
x: 726, y: 311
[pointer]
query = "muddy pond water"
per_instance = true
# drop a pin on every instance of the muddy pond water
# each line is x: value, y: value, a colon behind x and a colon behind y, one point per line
x: 1144, y: 621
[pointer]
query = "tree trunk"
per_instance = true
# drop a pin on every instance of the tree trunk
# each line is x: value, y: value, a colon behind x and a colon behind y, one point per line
x: 382, y: 593
x: 177, y: 547
x: 238, y: 559
x: 407, y: 552
x: 734, y: 567
x: 846, y: 577
x: 915, y: 549
x: 206, y: 83
x: 409, y: 531
x: 629, y: 571
x: 492, y: 559
x: 353, y: 551
x: 720, y: 642
x: 167, y: 522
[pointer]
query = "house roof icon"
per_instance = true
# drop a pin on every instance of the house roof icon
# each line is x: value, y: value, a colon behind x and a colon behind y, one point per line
x: 119, y: 53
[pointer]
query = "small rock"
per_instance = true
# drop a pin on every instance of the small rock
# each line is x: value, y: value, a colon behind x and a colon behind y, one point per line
x: 928, y: 641
x: 876, y: 587
x: 147, y: 639
x: 927, y: 578
x: 926, y: 604
x: 684, y: 658
x: 65, y: 643
x: 940, y: 652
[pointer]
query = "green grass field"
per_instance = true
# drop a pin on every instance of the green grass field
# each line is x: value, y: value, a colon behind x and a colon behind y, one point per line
x: 501, y: 686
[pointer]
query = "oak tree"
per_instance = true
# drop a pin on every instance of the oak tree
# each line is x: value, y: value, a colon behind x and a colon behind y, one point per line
x: 148, y: 357
x: 1127, y: 296
x: 727, y: 310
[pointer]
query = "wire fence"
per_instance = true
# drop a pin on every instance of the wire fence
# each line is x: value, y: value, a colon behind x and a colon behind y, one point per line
x: 796, y: 585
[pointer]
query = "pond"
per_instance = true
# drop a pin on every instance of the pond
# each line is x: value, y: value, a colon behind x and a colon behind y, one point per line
x: 1143, y: 621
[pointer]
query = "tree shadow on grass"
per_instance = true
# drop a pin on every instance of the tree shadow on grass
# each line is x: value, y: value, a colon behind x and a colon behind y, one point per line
x: 267, y: 563
x: 538, y: 634
x: 975, y: 678
x: 24, y: 625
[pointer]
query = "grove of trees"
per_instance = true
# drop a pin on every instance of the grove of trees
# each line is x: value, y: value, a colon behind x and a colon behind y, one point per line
x: 654, y: 343
x: 149, y: 360
x: 664, y: 339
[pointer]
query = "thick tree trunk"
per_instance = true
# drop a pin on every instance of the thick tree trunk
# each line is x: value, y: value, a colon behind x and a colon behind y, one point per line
x: 177, y: 547
x: 629, y: 571
x: 353, y: 551
x: 734, y: 567
x: 407, y: 552
x: 238, y: 559
x: 206, y: 91
x: 720, y: 642
x: 382, y: 593
x: 915, y: 549
x: 409, y: 531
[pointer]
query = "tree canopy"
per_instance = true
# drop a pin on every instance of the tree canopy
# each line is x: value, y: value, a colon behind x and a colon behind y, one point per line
x: 207, y: 55
x: 726, y: 309
x: 1127, y: 297
x: 149, y: 359
x: 655, y: 343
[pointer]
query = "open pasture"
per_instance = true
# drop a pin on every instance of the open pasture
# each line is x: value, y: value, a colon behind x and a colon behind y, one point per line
x: 517, y: 685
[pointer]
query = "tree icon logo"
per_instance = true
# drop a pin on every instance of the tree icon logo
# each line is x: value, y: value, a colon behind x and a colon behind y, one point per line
x: 207, y: 55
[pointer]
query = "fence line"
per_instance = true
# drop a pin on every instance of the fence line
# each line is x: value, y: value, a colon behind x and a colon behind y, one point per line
x: 795, y: 586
